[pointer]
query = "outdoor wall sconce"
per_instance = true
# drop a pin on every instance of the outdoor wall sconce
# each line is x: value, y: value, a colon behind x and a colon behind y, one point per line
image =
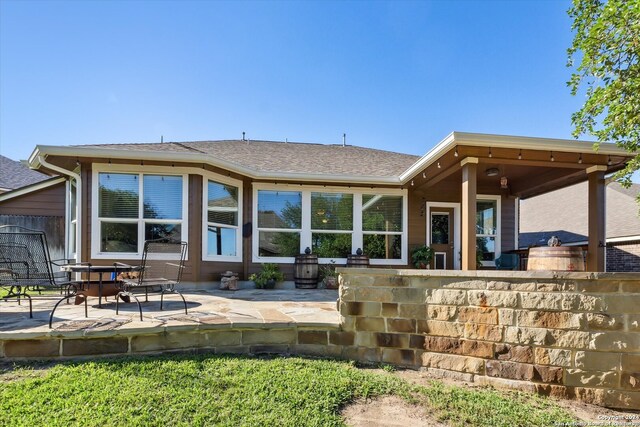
x: 504, y: 183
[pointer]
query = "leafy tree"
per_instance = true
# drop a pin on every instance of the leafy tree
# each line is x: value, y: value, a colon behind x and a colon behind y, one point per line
x: 606, y: 48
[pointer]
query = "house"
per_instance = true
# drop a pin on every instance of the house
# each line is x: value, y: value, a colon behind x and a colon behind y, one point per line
x: 34, y: 200
x: 240, y: 203
x: 569, y: 222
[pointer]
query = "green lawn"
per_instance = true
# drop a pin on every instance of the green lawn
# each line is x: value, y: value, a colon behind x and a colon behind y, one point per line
x: 202, y: 390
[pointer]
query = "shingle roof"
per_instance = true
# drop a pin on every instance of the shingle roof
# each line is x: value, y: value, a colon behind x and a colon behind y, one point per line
x: 564, y: 213
x: 16, y: 175
x: 287, y: 157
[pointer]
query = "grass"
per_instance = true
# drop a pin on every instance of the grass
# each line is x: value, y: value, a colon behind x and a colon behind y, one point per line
x: 203, y: 390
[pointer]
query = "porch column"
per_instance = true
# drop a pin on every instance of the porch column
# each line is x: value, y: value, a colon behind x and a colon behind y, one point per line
x: 469, y: 190
x: 597, y: 235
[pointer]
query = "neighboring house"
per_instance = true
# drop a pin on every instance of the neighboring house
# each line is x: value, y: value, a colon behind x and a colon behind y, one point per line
x: 562, y: 213
x: 15, y: 175
x: 241, y: 203
x: 34, y: 200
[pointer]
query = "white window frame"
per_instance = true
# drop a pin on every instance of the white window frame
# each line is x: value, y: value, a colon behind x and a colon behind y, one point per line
x: 498, y: 234
x: 99, y: 168
x: 72, y: 224
x: 305, y: 231
x: 205, y: 218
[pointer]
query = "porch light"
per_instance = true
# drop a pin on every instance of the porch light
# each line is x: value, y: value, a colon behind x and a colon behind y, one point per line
x: 424, y: 175
x: 412, y: 183
x: 580, y: 159
x: 439, y: 165
x: 490, y: 154
x: 552, y: 158
x: 492, y: 172
x: 520, y: 155
x: 504, y: 183
x: 455, y: 153
x: 609, y: 161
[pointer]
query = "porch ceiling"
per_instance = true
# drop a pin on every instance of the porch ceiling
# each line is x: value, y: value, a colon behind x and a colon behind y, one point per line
x: 528, y: 172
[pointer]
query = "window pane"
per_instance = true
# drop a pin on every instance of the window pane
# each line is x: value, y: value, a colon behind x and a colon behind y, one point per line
x: 486, y: 247
x: 331, y: 245
x: 331, y: 211
x: 279, y: 209
x: 118, y: 237
x: 279, y: 244
x: 486, y: 221
x: 74, y: 200
x: 118, y: 195
x: 381, y: 213
x: 439, y: 261
x: 439, y: 229
x: 221, y: 241
x: 227, y: 218
x: 379, y: 246
x: 162, y: 197
x: 222, y: 196
x: 161, y: 231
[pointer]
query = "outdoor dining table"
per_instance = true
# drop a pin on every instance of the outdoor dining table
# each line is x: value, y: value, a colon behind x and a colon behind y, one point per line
x: 88, y: 269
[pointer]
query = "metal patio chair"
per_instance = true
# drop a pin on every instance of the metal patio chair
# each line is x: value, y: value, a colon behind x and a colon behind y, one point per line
x: 160, y: 271
x: 25, y: 253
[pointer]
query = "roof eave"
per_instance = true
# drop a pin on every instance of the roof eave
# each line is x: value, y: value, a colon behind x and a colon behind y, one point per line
x: 17, y: 192
x: 507, y: 141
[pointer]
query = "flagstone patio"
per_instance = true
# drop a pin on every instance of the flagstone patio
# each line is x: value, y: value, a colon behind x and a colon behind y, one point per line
x: 237, y: 321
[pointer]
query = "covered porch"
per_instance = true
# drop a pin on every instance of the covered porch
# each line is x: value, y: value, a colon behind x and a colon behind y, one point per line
x: 472, y: 183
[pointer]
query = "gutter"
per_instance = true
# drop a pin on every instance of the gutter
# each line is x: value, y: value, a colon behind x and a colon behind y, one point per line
x: 43, y: 162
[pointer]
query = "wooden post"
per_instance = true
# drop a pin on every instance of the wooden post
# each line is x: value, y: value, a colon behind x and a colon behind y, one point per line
x: 469, y: 190
x: 597, y: 235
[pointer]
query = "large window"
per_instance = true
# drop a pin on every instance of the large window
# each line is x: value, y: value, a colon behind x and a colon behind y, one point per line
x: 487, y: 229
x: 333, y: 223
x: 134, y: 207
x: 382, y: 226
x: 222, y: 219
x: 279, y: 223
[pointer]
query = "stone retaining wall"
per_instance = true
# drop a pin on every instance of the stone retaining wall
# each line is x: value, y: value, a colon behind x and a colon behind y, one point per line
x: 570, y: 335
x: 293, y: 339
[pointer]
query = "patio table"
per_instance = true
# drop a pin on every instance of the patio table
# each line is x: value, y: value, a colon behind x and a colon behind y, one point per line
x: 87, y: 269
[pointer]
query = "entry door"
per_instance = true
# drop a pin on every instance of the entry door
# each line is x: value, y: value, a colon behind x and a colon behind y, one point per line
x: 441, y: 223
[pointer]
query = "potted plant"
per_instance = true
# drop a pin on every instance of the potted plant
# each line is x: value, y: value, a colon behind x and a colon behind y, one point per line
x: 422, y: 256
x: 329, y: 275
x: 267, y: 277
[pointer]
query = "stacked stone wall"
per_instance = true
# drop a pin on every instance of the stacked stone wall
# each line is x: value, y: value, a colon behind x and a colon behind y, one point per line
x: 574, y: 335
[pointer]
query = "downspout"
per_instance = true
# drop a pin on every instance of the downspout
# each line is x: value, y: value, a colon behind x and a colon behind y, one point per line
x: 75, y: 176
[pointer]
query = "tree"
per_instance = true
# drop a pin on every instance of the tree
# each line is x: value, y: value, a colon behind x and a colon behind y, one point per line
x: 606, y: 47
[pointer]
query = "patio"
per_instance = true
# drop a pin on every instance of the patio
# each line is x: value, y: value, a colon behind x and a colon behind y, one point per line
x: 238, y: 321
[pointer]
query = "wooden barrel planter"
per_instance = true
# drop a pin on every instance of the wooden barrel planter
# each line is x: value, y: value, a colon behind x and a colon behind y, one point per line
x: 556, y: 258
x: 357, y: 261
x: 305, y: 271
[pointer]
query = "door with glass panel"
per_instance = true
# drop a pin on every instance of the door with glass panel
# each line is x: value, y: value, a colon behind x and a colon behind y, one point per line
x: 441, y: 235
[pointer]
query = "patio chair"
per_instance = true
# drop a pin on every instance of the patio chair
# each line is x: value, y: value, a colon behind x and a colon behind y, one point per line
x: 161, y: 271
x: 25, y: 253
x: 508, y: 262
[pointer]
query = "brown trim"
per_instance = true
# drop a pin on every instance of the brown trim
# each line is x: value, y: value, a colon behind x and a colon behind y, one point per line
x: 596, y: 251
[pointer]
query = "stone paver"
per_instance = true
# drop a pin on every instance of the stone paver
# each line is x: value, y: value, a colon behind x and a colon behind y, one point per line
x: 244, y: 308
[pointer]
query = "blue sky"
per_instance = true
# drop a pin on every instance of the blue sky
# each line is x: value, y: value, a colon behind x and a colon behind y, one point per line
x: 393, y: 75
